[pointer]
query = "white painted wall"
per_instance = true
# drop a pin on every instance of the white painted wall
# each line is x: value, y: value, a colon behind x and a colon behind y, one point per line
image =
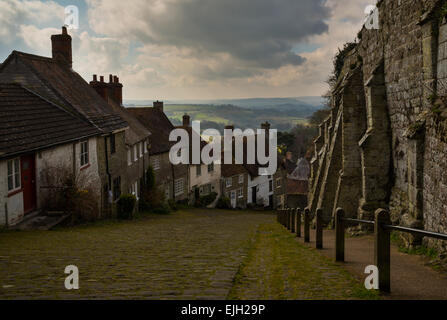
x: 262, y: 184
x: 206, y: 177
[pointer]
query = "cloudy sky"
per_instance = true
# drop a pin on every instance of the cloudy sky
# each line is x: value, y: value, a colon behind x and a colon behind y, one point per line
x: 193, y: 49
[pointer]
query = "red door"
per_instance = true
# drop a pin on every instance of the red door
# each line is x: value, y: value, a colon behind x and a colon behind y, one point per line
x: 28, y: 172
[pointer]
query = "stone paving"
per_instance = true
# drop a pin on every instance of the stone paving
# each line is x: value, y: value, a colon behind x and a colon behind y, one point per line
x: 186, y: 255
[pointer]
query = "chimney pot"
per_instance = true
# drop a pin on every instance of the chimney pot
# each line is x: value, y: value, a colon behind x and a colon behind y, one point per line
x: 95, y: 77
x: 186, y: 120
x: 64, y: 30
x: 110, y: 78
x: 101, y: 78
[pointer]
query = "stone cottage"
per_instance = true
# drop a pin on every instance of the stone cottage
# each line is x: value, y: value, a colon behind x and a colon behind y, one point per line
x: 172, y: 179
x: 37, y: 136
x: 54, y: 80
x: 384, y: 145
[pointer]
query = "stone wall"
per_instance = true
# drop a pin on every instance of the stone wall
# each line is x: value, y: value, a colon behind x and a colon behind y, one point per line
x: 388, y: 100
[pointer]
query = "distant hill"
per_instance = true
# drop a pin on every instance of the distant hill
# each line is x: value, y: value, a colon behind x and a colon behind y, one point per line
x: 282, y: 113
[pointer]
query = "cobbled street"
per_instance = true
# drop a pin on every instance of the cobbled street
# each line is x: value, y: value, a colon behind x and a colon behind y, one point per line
x: 192, y: 254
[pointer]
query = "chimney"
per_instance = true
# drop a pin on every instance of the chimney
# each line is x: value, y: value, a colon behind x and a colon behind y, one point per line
x: 112, y: 90
x: 158, y: 105
x: 289, y: 155
x: 61, y: 48
x: 117, y: 91
x: 265, y: 126
x: 100, y: 87
x: 186, y: 120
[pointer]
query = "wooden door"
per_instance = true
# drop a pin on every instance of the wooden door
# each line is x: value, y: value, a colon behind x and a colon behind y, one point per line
x: 28, y: 173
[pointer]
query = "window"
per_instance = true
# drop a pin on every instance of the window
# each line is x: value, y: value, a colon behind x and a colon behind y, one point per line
x: 84, y: 153
x: 198, y: 170
x: 241, y: 179
x: 270, y: 185
x: 229, y: 182
x: 155, y: 163
x: 145, y: 147
x: 112, y: 144
x: 14, y: 174
x: 129, y: 157
x: 135, y: 152
x: 211, y: 167
x: 179, y: 187
x: 141, y: 149
x: 278, y: 183
x: 240, y: 193
x: 116, y: 188
x: 233, y: 195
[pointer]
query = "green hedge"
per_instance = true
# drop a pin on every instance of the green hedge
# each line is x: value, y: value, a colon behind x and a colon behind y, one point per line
x: 126, y: 206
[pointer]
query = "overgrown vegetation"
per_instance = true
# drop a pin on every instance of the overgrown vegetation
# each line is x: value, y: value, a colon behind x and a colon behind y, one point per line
x: 152, y: 198
x: 223, y: 203
x: 205, y: 201
x: 126, y: 206
x: 67, y: 192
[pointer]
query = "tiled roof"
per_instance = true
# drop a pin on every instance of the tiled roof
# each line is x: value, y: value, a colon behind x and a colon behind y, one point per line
x: 64, y: 87
x: 297, y: 186
x: 158, y: 124
x: 28, y: 122
x: 137, y: 131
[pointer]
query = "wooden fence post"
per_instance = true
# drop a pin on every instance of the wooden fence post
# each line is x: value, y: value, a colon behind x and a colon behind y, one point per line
x: 298, y: 223
x: 319, y: 229
x: 292, y: 221
x: 339, y: 235
x: 382, y: 249
x: 307, y: 225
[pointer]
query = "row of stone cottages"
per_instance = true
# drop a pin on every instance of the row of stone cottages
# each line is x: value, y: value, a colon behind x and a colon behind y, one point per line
x: 53, y: 123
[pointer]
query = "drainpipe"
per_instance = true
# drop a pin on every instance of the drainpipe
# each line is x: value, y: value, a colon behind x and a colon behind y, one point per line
x: 107, y: 165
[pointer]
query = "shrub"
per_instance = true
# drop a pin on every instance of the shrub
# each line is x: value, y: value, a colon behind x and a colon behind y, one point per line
x: 69, y: 193
x: 172, y: 204
x: 224, y: 203
x: 125, y: 206
x: 206, y: 200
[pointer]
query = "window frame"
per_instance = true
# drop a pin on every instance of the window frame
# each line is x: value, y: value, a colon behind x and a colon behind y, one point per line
x: 129, y: 157
x: 241, y: 179
x: 240, y: 193
x: 15, y: 175
x: 141, y: 149
x: 211, y: 165
x: 228, y: 182
x: 84, y: 154
x: 176, y: 187
x: 135, y: 152
x: 155, y: 163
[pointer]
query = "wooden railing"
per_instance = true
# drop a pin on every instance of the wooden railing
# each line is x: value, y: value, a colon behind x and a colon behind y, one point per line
x: 292, y: 218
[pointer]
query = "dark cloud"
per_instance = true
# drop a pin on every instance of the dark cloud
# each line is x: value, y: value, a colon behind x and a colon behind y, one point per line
x: 256, y: 33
